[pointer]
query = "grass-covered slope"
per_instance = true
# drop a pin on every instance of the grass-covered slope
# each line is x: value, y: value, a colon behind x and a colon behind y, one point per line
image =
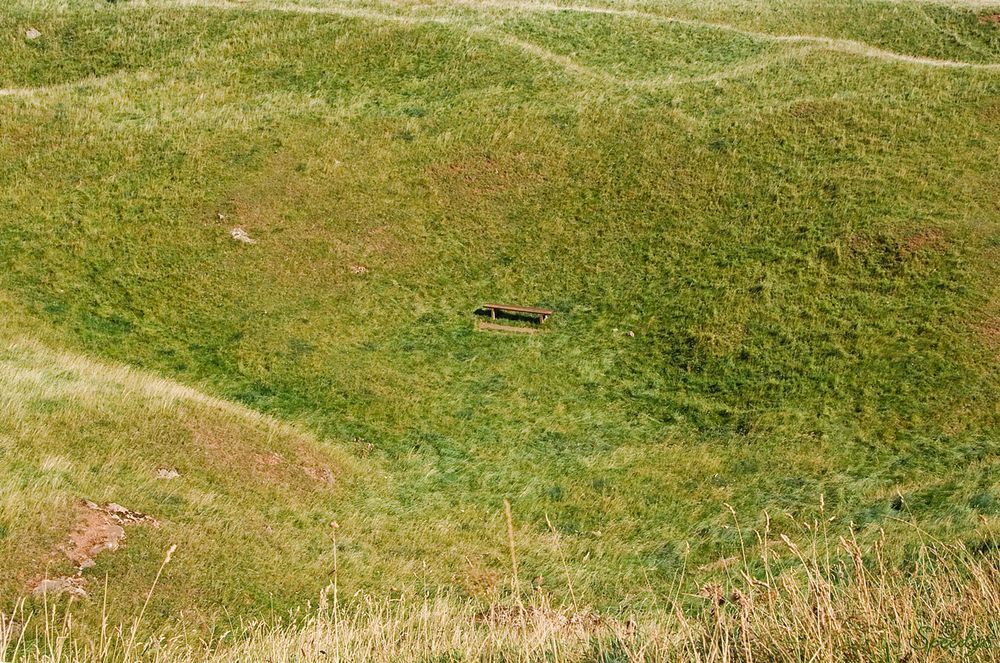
x: 248, y: 505
x: 769, y: 233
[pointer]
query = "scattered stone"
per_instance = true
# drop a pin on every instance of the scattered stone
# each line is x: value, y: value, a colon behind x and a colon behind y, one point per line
x: 167, y: 473
x: 241, y: 235
x: 127, y: 516
x: 72, y: 586
x: 359, y: 269
x: 32, y: 33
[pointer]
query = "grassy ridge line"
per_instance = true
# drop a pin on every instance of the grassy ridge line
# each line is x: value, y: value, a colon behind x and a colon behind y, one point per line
x: 847, y: 46
x: 140, y: 76
x: 161, y: 391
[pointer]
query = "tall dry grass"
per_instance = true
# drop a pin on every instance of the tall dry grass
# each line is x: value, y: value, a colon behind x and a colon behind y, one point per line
x: 825, y: 602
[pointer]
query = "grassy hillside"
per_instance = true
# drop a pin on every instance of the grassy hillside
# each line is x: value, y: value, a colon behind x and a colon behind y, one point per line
x: 252, y: 501
x: 769, y: 231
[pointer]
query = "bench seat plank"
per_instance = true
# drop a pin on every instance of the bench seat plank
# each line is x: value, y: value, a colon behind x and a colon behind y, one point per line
x: 518, y: 309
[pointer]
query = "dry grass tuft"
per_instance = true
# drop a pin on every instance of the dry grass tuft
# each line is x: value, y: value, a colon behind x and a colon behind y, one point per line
x: 836, y: 603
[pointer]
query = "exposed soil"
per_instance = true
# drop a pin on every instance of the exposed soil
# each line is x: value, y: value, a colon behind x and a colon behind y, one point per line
x: 98, y: 529
x: 95, y: 532
x: 989, y: 18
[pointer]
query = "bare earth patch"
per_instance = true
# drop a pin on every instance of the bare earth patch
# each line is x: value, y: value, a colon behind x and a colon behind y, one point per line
x: 98, y: 529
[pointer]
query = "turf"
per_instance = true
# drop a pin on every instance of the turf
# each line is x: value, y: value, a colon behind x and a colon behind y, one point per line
x: 769, y: 233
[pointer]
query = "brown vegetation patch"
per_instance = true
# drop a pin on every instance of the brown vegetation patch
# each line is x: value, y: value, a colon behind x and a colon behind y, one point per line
x: 987, y: 19
x: 929, y: 238
x: 286, y: 464
x: 503, y: 616
x: 483, y: 174
x: 270, y: 459
x: 811, y: 108
x: 478, y: 578
x: 990, y: 332
x: 990, y: 112
x: 320, y: 474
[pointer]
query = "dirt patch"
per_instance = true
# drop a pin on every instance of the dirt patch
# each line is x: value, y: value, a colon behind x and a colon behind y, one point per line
x: 989, y: 19
x: 99, y: 529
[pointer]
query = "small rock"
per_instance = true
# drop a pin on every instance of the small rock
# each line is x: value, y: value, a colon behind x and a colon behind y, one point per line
x: 127, y: 516
x: 32, y: 33
x: 359, y: 269
x: 241, y: 235
x: 69, y: 586
x: 167, y: 473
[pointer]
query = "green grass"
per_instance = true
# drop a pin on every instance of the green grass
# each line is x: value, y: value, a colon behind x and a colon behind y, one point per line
x: 772, y: 261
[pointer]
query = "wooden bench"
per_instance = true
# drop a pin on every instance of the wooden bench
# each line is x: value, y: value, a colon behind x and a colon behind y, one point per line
x: 542, y: 313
